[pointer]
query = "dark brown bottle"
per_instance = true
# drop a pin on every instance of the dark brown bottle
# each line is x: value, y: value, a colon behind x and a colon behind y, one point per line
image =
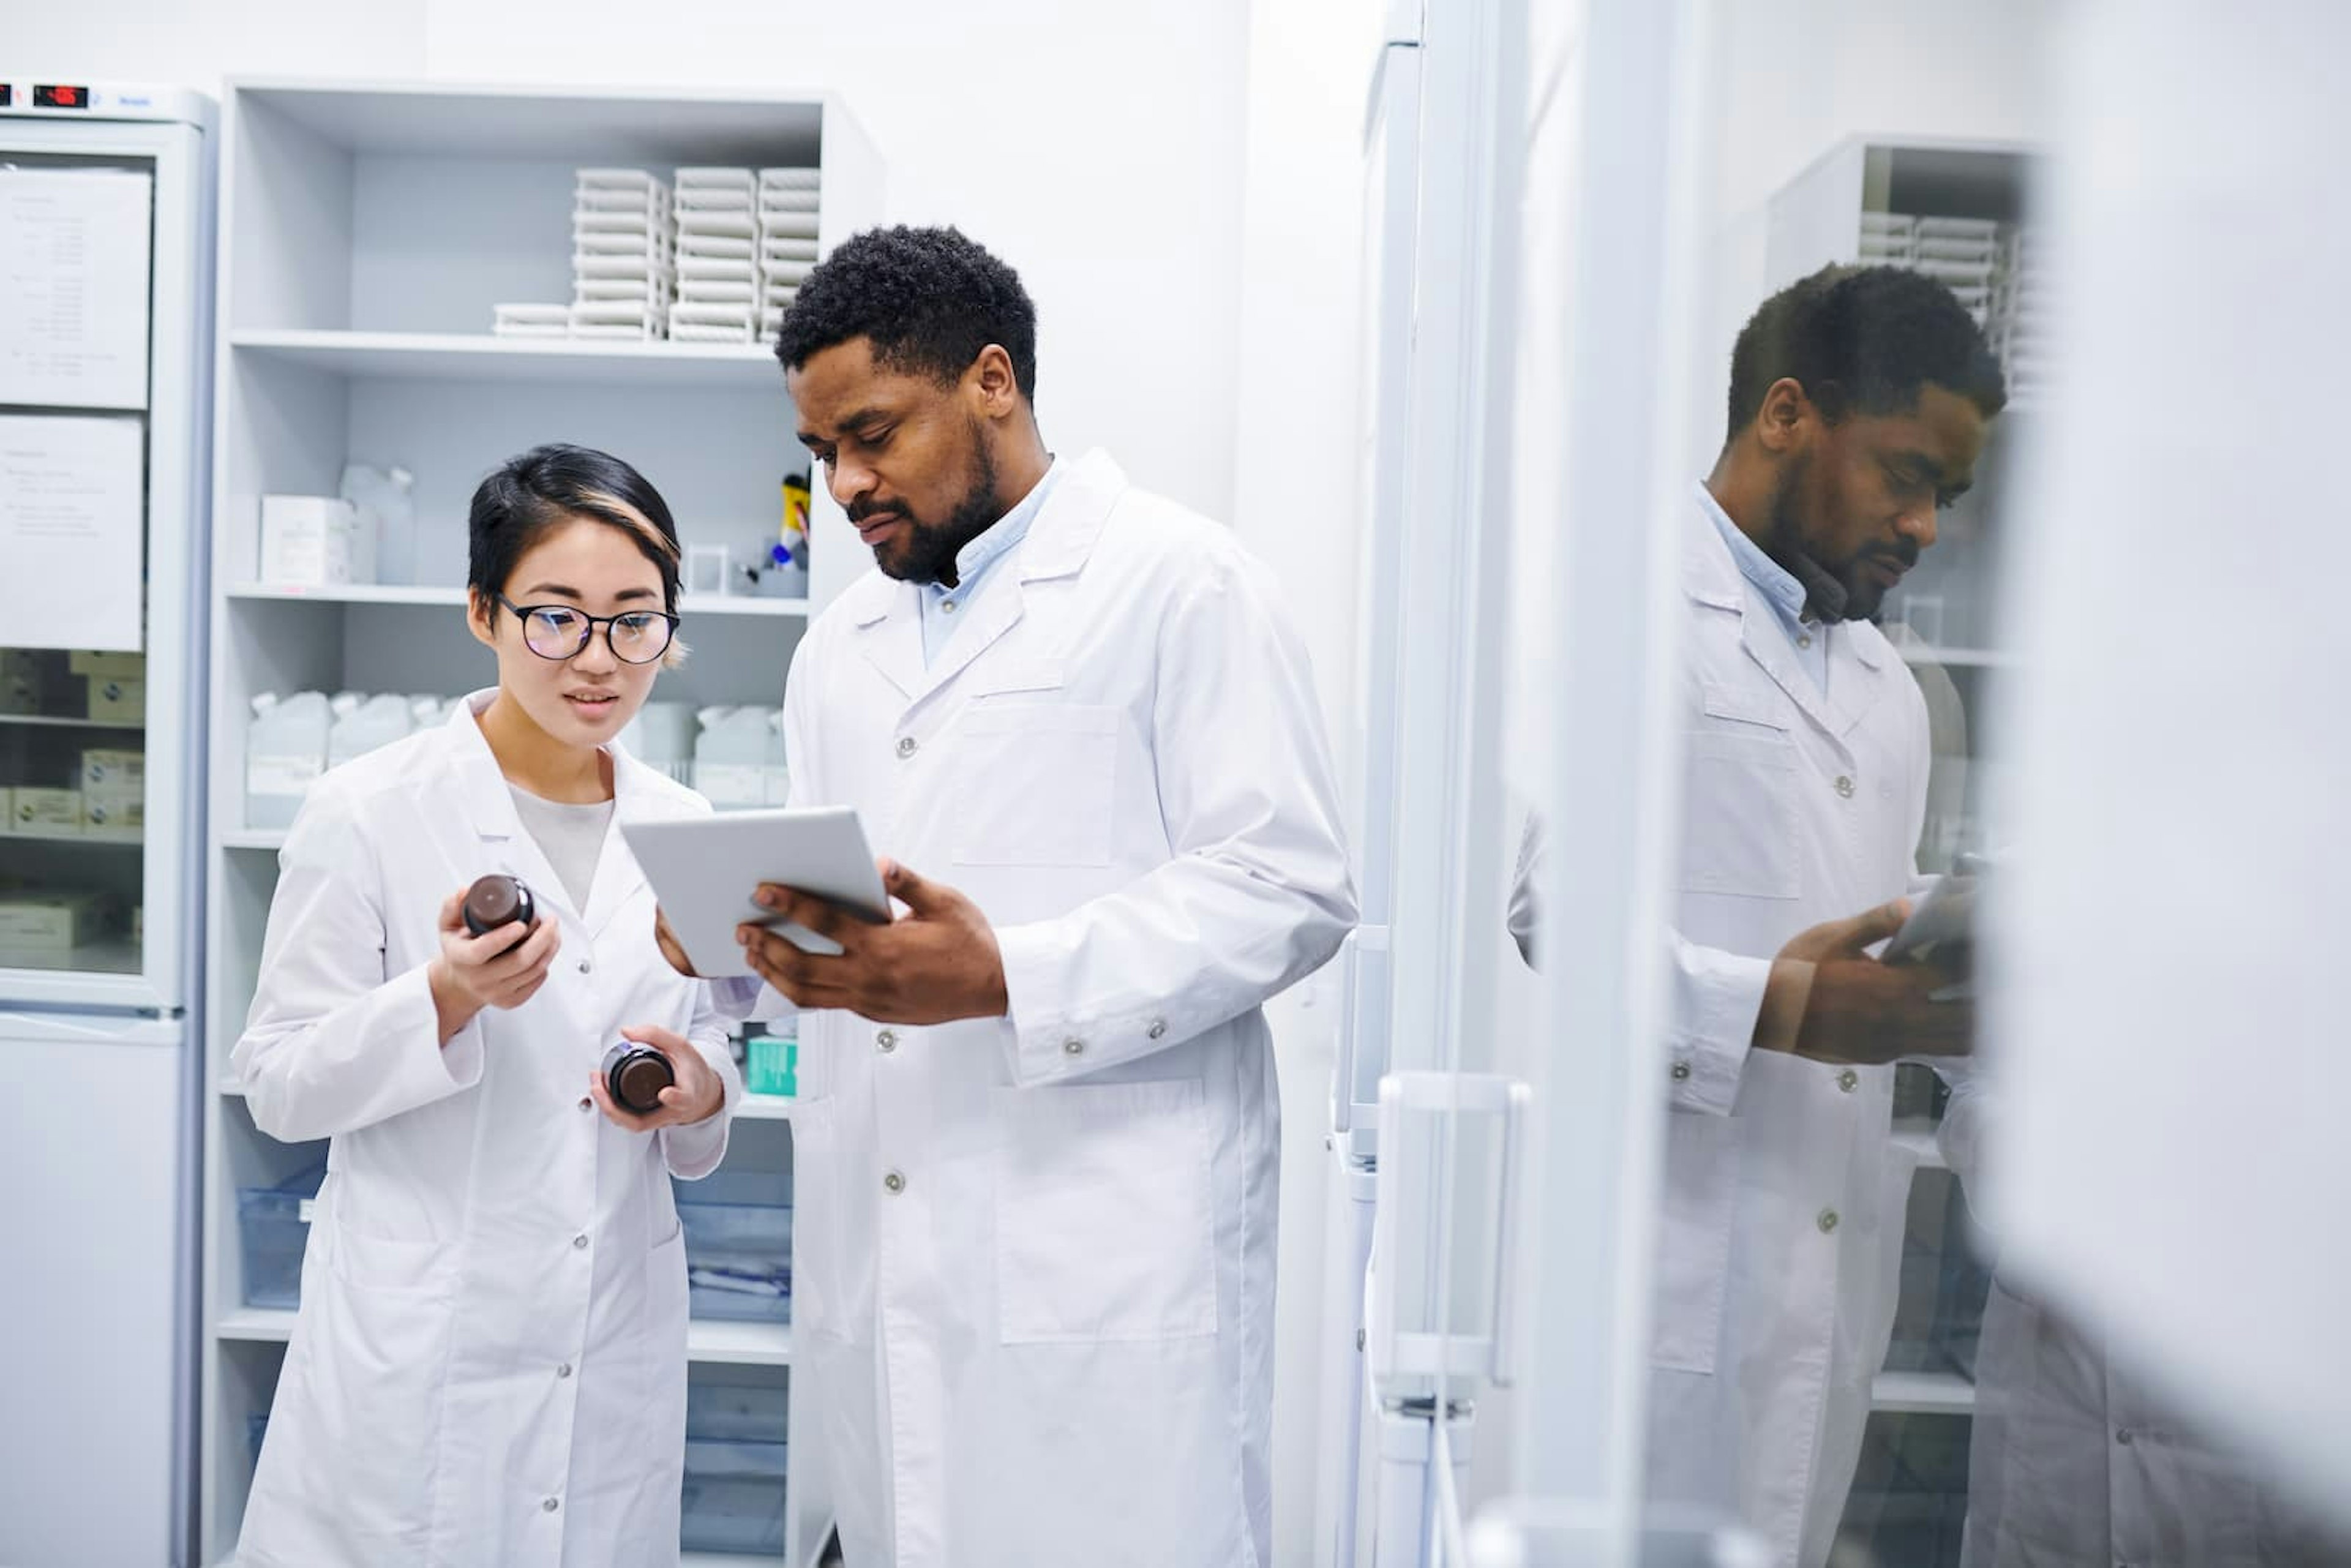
x: 497, y: 900
x: 634, y: 1075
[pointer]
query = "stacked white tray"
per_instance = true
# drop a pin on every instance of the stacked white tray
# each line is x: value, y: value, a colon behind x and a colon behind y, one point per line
x: 788, y: 234
x: 2020, y: 326
x: 718, y: 257
x: 623, y: 264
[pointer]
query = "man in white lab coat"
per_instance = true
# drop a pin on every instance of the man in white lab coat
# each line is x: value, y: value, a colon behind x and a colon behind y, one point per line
x: 1859, y: 401
x: 1038, y: 1133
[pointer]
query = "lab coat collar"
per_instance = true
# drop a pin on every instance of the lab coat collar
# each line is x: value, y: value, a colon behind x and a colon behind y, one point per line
x: 888, y: 613
x: 1710, y: 575
x: 489, y: 807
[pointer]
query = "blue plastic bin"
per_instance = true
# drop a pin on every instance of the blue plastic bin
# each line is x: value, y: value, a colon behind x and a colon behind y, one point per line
x: 274, y: 1223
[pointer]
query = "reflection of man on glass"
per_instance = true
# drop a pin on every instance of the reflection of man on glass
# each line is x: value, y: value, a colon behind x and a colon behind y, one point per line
x: 1859, y: 400
x: 2075, y: 1456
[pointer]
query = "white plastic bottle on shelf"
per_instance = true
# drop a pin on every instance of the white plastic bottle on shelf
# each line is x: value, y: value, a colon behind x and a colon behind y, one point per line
x: 730, y: 758
x: 662, y: 737
x: 366, y: 723
x: 284, y: 752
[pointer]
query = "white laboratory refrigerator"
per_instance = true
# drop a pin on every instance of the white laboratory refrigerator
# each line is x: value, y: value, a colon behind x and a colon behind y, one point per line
x: 1425, y: 1145
x: 105, y: 328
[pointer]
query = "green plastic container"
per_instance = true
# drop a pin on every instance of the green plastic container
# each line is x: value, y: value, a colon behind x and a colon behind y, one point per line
x: 771, y: 1065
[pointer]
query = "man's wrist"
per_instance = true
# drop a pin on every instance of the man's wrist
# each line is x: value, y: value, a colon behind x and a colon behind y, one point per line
x: 1786, y: 994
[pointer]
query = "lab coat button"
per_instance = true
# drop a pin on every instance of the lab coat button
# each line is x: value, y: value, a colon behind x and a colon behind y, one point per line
x: 549, y: 1506
x: 583, y: 965
x: 1844, y: 785
x: 1804, y: 640
x: 564, y: 1369
x: 585, y: 1102
x: 886, y: 1041
x: 579, y: 1241
x: 1848, y: 1080
x: 895, y: 1183
x: 946, y: 606
x: 2124, y: 1436
x: 1073, y: 1047
x: 1158, y: 1030
x: 1828, y: 1220
x: 905, y: 746
x: 1681, y: 1072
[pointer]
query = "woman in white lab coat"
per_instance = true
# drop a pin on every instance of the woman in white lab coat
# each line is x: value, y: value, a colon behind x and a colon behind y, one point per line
x: 489, y: 1365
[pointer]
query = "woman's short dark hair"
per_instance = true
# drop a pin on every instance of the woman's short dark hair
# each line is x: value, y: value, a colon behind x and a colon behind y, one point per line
x: 529, y: 497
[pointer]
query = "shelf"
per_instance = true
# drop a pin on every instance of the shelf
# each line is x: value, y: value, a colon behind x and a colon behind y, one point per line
x: 714, y: 1342
x: 44, y: 721
x: 254, y: 839
x: 764, y: 1108
x: 275, y: 1324
x: 457, y: 356
x: 1922, y: 1394
x: 71, y: 836
x: 1956, y: 658
x: 729, y: 1559
x: 707, y: 1340
x: 116, y: 957
x: 1916, y: 1134
x: 451, y: 598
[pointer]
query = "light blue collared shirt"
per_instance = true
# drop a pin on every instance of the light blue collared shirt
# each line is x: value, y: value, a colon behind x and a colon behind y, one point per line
x: 1778, y: 587
x: 941, y: 604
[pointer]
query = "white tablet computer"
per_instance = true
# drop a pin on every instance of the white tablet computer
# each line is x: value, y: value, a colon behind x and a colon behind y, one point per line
x: 706, y: 869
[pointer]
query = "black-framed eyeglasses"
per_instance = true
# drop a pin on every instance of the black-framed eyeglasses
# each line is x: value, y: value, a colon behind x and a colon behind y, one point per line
x: 559, y: 631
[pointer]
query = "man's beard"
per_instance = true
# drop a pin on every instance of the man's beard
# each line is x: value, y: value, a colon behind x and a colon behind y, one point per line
x: 928, y: 550
x: 1833, y: 592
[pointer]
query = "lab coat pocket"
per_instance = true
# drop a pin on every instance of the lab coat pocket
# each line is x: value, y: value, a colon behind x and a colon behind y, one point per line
x: 378, y: 1336
x: 1042, y: 775
x: 1693, y: 1243
x: 1740, y: 832
x: 1105, y: 1229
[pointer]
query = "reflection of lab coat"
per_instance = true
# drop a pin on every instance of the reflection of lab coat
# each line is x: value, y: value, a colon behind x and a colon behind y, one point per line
x: 2073, y: 1461
x: 489, y: 1365
x: 1782, y: 1229
x: 1034, y: 1257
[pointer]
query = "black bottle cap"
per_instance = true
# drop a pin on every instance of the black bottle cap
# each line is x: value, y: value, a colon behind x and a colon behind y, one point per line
x: 497, y: 900
x: 637, y: 1079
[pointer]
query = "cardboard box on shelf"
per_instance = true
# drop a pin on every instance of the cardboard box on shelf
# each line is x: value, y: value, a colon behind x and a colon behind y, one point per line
x: 114, y: 774
x: 109, y: 817
x: 112, y: 666
x: 316, y: 540
x: 33, y: 810
x: 49, y: 923
x: 116, y: 701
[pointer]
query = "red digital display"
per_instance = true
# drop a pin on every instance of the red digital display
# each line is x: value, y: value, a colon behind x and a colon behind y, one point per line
x: 60, y: 97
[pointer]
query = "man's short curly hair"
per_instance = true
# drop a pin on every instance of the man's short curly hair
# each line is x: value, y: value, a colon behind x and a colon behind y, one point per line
x: 928, y: 298
x: 1865, y: 339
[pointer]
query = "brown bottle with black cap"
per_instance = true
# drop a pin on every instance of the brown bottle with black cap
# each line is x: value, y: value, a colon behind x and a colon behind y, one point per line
x: 634, y: 1075
x: 497, y: 900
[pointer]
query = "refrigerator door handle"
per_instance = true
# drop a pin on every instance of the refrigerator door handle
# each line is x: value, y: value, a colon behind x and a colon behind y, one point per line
x: 1406, y: 1361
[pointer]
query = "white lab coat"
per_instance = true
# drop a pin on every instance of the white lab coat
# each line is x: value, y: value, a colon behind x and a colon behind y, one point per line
x: 489, y: 1365
x: 2073, y: 1460
x: 1034, y: 1256
x: 1780, y: 1236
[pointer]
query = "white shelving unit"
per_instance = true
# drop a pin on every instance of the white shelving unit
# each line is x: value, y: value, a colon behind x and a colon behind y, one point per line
x: 367, y: 231
x: 1814, y: 221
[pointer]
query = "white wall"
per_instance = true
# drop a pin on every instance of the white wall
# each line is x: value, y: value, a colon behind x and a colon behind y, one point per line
x: 1097, y: 148
x: 1294, y: 438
